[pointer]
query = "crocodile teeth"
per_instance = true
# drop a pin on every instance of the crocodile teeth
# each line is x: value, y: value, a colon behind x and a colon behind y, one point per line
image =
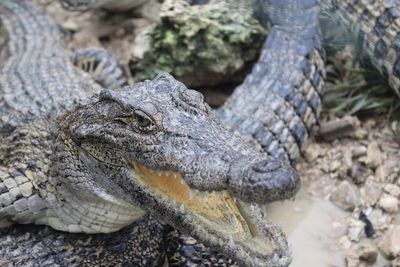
x: 202, y: 195
x: 231, y: 243
x: 218, y: 194
x: 182, y: 208
x: 191, y: 193
x: 275, y: 258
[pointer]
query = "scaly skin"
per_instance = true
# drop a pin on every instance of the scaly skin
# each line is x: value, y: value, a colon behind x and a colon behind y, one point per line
x: 378, y: 24
x: 80, y: 158
x: 279, y: 102
x: 140, y: 244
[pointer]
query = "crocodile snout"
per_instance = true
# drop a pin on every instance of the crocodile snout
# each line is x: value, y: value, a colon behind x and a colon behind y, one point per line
x: 263, y: 181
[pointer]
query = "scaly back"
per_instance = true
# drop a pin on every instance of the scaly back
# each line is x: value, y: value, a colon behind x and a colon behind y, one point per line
x: 36, y: 76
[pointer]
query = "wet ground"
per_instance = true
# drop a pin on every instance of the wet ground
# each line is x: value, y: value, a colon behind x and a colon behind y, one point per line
x: 357, y: 172
x: 345, y: 174
x: 313, y: 226
x: 308, y: 223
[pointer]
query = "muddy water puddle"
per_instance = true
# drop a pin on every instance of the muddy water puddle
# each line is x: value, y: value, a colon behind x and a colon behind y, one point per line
x: 313, y: 228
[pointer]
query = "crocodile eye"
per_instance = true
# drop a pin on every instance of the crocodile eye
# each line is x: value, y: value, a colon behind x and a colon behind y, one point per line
x: 143, y: 121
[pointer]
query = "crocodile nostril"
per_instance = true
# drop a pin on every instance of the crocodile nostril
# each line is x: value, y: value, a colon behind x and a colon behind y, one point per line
x: 267, y: 166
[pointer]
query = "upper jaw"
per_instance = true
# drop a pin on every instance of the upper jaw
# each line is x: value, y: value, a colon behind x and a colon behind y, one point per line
x: 217, y: 219
x: 266, y: 180
x: 253, y: 178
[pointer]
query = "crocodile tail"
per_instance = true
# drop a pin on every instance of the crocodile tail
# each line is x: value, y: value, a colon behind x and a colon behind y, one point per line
x: 279, y: 102
x: 29, y: 86
x: 377, y: 27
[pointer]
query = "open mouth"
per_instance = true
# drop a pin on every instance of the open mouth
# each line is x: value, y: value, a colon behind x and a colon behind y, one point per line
x: 223, y: 219
x: 216, y: 209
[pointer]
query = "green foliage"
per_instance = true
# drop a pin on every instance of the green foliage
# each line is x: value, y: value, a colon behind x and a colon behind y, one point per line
x: 356, y: 90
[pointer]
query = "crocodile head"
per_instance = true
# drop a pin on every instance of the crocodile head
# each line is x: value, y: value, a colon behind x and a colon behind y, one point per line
x: 159, y: 146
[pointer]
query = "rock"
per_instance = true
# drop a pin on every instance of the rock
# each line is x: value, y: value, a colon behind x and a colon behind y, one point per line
x: 348, y: 158
x: 389, y: 203
x: 367, y: 253
x: 379, y: 219
x: 141, y: 43
x: 371, y: 191
x: 388, y: 172
x: 390, y: 244
x: 345, y: 242
x: 119, y: 6
x: 395, y: 127
x: 312, y: 152
x: 339, y: 127
x: 363, y: 256
x: 70, y: 25
x: 324, y: 165
x: 150, y: 9
x: 359, y: 151
x: 374, y: 155
x: 202, y: 45
x: 322, y: 187
x: 394, y: 263
x: 334, y: 165
x: 358, y: 173
x: 355, y: 230
x: 346, y: 196
x: 393, y: 190
x: 381, y: 173
x: 360, y: 134
x: 352, y: 260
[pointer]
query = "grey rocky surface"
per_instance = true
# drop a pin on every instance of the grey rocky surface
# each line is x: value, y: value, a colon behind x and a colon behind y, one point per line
x: 360, y: 174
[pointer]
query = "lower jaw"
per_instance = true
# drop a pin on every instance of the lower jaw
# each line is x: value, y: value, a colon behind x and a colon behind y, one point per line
x: 216, y: 219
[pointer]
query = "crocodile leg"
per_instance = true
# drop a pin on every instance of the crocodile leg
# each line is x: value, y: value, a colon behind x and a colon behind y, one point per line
x: 101, y: 65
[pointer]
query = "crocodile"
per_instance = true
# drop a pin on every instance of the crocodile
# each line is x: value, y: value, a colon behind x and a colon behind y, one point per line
x: 84, y: 159
x: 278, y: 114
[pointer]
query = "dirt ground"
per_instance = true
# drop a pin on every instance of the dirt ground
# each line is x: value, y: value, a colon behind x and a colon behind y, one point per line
x: 355, y: 167
x: 358, y: 171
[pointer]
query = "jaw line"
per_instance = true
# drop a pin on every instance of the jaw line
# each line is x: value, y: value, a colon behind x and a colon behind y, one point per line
x: 215, y: 218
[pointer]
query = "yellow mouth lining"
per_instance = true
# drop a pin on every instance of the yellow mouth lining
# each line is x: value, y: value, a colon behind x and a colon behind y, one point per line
x: 216, y: 209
